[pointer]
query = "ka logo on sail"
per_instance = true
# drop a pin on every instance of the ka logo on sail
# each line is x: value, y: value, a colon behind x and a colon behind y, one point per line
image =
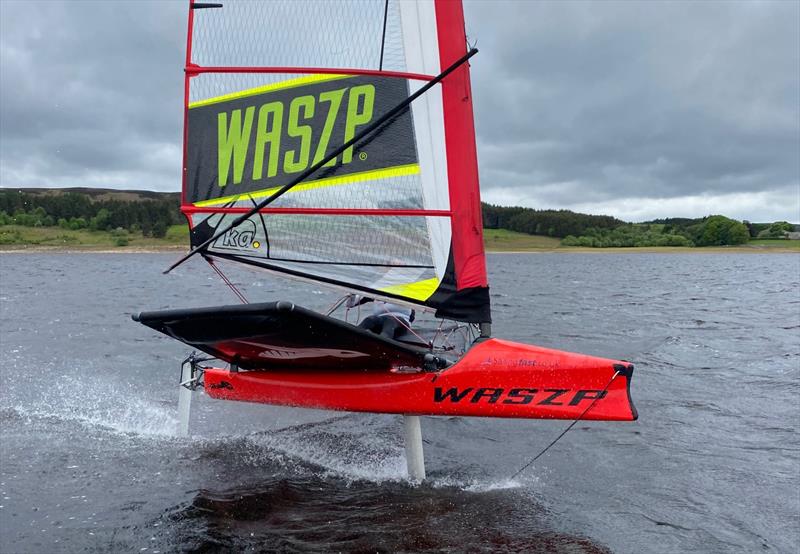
x: 241, y: 238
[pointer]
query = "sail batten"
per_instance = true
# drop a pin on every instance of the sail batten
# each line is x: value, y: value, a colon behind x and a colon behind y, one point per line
x: 384, y: 217
x: 315, y: 184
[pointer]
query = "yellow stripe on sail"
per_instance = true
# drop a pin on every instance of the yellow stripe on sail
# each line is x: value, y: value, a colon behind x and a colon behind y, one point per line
x: 373, y: 175
x: 419, y: 290
x: 281, y: 85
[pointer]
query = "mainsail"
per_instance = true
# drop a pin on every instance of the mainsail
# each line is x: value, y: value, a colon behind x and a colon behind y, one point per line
x: 272, y: 88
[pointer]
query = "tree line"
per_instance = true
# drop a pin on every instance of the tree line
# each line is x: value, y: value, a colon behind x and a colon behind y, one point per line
x: 153, y: 213
x: 599, y: 231
x: 713, y: 230
x: 151, y: 216
x: 553, y: 223
x: 716, y: 230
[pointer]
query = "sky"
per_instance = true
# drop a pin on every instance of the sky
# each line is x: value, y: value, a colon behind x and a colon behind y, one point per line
x: 633, y: 109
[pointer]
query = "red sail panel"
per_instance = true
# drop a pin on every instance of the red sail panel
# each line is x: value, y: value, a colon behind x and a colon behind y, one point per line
x: 462, y: 160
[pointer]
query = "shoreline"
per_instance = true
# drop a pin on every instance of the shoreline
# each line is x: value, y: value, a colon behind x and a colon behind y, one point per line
x: 36, y: 249
x: 657, y: 250
x: 177, y: 249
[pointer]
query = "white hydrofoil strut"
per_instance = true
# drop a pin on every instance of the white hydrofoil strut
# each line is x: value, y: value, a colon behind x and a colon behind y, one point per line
x: 415, y: 458
x: 185, y: 398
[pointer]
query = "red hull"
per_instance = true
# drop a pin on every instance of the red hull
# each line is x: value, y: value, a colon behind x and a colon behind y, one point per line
x: 495, y: 378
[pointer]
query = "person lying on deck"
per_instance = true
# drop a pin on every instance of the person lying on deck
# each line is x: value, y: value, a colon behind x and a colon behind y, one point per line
x: 387, y: 319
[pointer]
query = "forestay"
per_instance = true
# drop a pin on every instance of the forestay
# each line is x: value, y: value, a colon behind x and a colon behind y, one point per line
x: 274, y: 87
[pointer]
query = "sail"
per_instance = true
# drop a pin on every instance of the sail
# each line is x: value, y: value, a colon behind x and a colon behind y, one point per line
x: 273, y: 88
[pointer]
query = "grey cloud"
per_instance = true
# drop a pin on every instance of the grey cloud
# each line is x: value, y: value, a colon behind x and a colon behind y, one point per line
x: 595, y: 101
x: 90, y: 90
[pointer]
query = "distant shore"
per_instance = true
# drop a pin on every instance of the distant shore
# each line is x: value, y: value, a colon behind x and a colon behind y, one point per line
x: 179, y: 249
x: 39, y: 249
x: 657, y: 250
x: 18, y: 239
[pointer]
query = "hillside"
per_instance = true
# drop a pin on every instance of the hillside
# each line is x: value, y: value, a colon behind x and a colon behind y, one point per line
x: 127, y: 215
x: 102, y: 218
x: 103, y: 194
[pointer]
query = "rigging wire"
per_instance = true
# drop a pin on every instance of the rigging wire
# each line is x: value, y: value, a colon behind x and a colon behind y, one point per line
x: 407, y: 325
x: 227, y: 281
x: 438, y: 331
x: 445, y: 346
x: 571, y: 425
x: 383, y: 37
x: 337, y: 304
x: 263, y: 224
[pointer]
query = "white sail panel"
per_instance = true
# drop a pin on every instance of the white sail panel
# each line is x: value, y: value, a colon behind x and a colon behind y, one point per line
x: 420, y: 46
x: 299, y: 33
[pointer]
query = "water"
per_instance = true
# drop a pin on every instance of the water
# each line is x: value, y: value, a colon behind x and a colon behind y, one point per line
x: 89, y: 462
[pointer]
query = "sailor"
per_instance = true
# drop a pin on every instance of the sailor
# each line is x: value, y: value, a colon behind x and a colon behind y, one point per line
x: 387, y: 319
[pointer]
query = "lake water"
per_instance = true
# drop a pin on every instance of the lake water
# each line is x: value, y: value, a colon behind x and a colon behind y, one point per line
x: 89, y: 461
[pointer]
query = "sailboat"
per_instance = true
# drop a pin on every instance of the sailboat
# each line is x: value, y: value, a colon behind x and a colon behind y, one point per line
x: 334, y: 143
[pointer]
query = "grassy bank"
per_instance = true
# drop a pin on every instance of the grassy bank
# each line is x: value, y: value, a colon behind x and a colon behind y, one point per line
x: 17, y: 237
x: 502, y: 240
x: 744, y: 249
x: 774, y: 243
